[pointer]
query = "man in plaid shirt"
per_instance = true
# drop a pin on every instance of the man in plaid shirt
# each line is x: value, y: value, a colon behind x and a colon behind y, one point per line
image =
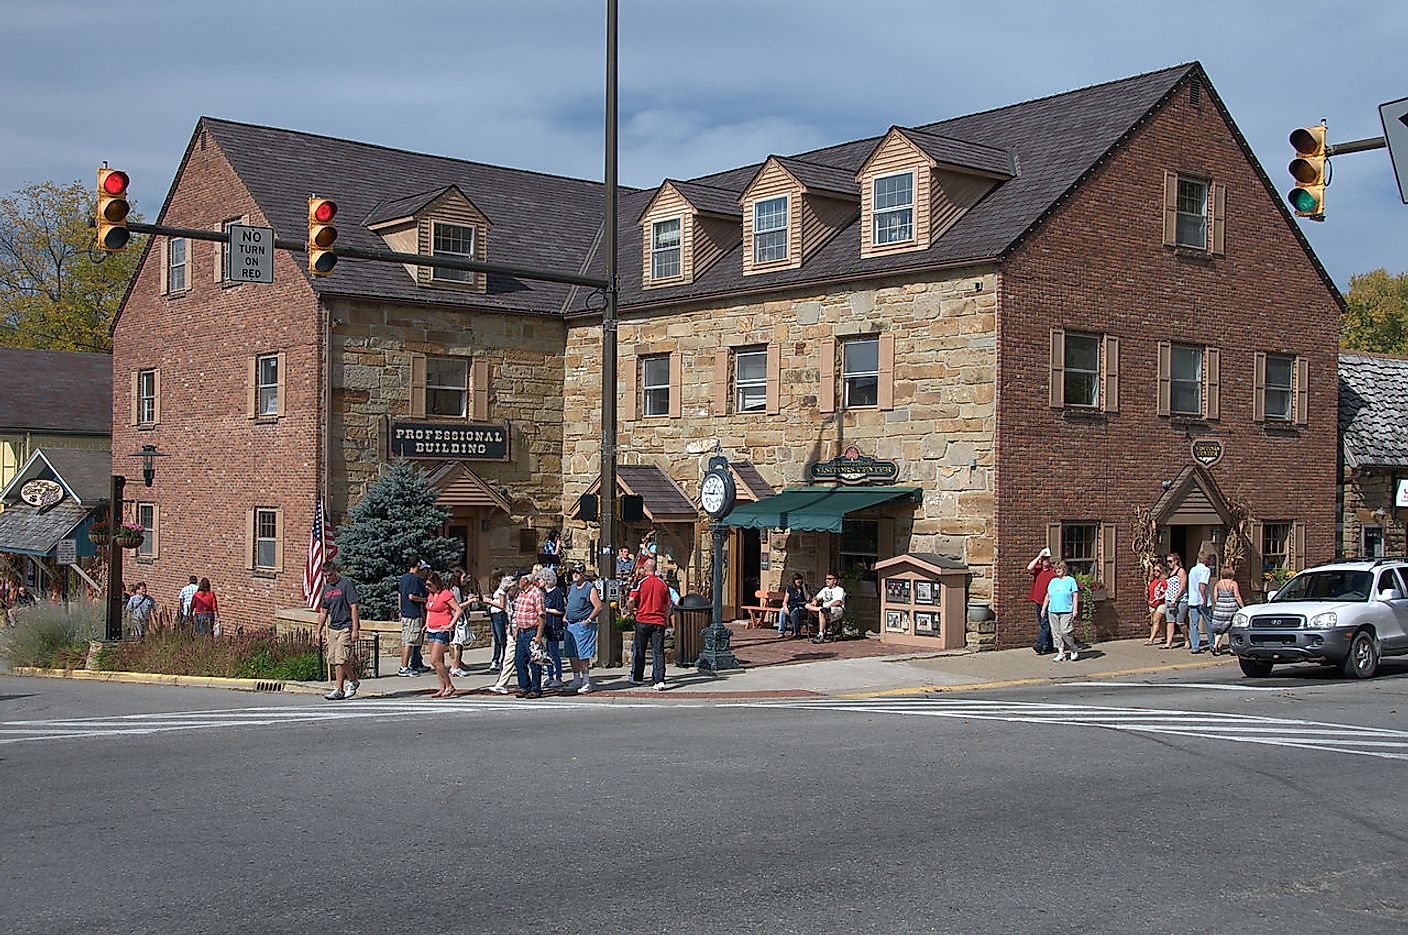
x: 528, y: 626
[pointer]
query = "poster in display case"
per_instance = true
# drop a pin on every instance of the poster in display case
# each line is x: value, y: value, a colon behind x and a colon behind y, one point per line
x: 897, y: 590
x: 897, y: 621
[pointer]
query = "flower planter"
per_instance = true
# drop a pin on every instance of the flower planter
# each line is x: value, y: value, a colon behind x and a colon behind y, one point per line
x: 130, y: 542
x: 98, y: 536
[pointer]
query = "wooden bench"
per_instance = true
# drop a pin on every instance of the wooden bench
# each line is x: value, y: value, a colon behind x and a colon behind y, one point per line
x: 763, y: 615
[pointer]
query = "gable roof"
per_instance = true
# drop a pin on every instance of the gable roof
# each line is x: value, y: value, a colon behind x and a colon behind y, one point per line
x: 56, y: 391
x: 85, y: 474
x: 820, y: 178
x: 1374, y: 410
x: 399, y: 208
x: 1193, y: 490
x: 949, y: 151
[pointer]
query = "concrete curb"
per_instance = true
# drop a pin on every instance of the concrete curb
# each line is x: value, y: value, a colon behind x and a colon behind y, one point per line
x: 1039, y: 680
x: 178, y: 681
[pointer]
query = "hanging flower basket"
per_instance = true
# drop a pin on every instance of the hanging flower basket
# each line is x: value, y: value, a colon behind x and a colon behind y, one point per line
x: 99, y: 534
x: 129, y: 536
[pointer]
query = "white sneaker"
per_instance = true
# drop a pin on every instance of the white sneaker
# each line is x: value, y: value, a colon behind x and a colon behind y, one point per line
x: 659, y: 686
x: 1059, y: 657
x: 1074, y: 655
x: 586, y: 688
x: 334, y: 695
x: 499, y: 690
x: 351, y: 688
x: 459, y: 673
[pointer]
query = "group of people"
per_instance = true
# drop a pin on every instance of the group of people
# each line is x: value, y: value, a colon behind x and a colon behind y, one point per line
x: 800, y: 607
x: 196, y: 606
x: 1190, y: 607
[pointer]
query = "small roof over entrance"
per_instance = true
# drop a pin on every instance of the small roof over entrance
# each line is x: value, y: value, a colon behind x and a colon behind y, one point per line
x: 459, y: 486
x: 1193, y: 499
x: 81, y: 477
x: 663, y: 499
x: 815, y: 509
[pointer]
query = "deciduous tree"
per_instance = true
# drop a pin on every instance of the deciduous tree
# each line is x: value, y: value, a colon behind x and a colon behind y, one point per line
x: 1377, y: 317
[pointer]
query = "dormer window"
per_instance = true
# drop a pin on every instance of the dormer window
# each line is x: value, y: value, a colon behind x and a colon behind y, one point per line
x: 452, y: 240
x: 665, y: 249
x: 770, y: 230
x: 894, y: 208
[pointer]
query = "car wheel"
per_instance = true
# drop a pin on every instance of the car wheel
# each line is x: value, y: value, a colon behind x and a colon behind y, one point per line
x: 1363, y: 659
x: 1254, y: 668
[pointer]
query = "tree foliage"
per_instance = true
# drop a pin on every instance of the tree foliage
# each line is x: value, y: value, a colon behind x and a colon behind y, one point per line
x: 396, y: 519
x: 57, y: 291
x: 1377, y: 317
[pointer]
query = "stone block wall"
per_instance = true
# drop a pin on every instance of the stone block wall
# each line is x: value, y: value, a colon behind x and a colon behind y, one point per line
x: 1361, y: 496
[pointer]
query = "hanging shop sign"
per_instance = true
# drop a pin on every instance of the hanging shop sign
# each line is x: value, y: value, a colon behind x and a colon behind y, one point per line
x: 436, y: 440
x: 1206, y: 451
x: 852, y: 467
x: 41, y: 493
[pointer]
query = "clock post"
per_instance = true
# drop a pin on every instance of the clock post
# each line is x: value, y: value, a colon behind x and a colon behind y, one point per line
x: 717, y: 494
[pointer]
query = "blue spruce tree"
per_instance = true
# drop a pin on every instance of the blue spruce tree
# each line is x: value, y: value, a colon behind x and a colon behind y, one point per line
x: 396, y: 519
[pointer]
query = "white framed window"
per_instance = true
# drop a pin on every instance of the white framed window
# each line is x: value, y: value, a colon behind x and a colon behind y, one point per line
x: 1275, y: 546
x: 266, y: 538
x: 1078, y: 547
x: 1186, y: 380
x: 860, y: 372
x: 1371, y: 541
x: 146, y: 518
x: 177, y: 264
x: 1279, y: 390
x: 446, y: 386
x: 892, y: 206
x: 1192, y: 227
x: 770, y: 230
x: 1082, y: 370
x: 665, y: 249
x: 750, y: 379
x: 655, y: 385
x: 859, y: 550
x: 451, y: 240
x: 266, y: 386
x: 146, y: 397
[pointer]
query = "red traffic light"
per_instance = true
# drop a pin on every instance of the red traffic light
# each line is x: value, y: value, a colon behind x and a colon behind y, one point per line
x: 325, y: 211
x: 115, y: 182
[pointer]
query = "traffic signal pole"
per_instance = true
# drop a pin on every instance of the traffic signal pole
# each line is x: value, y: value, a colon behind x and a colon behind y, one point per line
x: 1355, y: 146
x: 608, y: 636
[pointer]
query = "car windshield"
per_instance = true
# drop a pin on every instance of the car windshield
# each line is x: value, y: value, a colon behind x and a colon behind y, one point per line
x: 1342, y: 585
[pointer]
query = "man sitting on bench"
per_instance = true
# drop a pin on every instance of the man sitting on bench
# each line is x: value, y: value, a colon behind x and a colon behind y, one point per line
x: 829, y: 605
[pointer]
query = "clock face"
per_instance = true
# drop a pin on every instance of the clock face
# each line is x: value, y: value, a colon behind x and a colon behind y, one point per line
x: 712, y: 493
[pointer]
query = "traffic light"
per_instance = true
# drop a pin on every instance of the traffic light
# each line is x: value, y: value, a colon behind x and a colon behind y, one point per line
x: 112, y: 210
x: 321, y: 235
x: 1308, y: 169
x: 632, y: 508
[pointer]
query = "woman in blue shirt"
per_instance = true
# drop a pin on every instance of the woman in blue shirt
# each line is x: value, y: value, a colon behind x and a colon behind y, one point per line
x: 1061, y: 606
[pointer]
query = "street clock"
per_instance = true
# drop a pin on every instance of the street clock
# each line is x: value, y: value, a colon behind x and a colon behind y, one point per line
x: 717, y: 491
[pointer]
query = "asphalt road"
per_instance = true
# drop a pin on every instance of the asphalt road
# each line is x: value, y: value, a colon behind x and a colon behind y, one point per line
x: 1186, y: 804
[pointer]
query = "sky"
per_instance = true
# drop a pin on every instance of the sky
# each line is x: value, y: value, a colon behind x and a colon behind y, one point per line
x: 704, y: 86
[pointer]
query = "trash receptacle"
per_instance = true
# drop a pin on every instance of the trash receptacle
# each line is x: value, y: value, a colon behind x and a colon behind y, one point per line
x: 692, y: 614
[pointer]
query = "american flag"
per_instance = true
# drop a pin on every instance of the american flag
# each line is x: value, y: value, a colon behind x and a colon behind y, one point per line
x: 313, y: 570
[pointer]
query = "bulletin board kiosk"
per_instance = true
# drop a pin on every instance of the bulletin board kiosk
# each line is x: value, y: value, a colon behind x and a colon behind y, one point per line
x: 923, y: 601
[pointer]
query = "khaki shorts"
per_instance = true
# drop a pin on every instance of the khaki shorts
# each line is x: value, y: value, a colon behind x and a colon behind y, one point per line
x: 339, y: 647
x: 412, y: 631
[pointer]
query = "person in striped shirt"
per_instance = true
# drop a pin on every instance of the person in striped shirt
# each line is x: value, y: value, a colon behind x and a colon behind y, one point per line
x: 527, y: 626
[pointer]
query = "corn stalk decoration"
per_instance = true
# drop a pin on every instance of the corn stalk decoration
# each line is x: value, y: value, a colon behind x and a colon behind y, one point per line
x: 1145, y: 536
x: 1234, y: 547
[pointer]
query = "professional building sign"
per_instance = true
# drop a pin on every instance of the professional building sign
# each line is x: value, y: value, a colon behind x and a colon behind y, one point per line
x: 1207, y: 451
x: 43, y: 494
x: 852, y: 467
x: 451, y: 442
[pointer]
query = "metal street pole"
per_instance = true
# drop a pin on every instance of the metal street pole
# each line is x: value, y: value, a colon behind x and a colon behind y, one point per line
x: 609, y: 641
x: 115, y: 595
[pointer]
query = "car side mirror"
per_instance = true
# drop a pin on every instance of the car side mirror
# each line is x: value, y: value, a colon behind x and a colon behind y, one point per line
x: 1271, y: 595
x: 1391, y: 594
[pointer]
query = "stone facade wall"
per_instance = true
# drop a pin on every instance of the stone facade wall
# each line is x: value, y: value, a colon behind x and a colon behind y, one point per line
x: 940, y: 429
x: 1361, y: 495
x: 371, y: 348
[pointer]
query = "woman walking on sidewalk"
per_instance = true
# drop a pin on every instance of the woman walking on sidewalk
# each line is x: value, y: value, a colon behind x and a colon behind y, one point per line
x: 441, y: 611
x: 204, y: 607
x: 1158, y: 587
x: 1227, y: 600
x: 1061, y: 606
x: 1175, y: 599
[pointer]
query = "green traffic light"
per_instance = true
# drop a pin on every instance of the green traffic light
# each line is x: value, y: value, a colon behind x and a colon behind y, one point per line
x: 1302, y: 200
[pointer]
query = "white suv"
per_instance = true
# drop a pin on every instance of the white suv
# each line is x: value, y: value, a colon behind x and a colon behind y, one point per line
x: 1344, y: 613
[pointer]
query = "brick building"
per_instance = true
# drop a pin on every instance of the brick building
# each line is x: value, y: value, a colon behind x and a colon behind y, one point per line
x: 1025, y: 322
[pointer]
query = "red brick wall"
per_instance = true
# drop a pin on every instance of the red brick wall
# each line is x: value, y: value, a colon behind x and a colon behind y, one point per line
x: 221, y: 462
x: 1099, y: 265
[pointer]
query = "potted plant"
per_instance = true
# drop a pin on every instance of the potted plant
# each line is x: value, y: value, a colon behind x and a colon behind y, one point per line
x: 130, y: 536
x: 99, y: 533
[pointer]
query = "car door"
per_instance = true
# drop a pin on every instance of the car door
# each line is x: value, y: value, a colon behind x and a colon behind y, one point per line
x: 1394, y: 638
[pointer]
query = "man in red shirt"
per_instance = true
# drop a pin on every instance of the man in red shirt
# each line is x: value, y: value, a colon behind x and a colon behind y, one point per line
x: 649, y: 600
x: 1042, y: 571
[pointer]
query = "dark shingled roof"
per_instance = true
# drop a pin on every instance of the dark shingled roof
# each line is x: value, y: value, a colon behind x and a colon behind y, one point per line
x: 24, y: 528
x: 955, y: 152
x: 817, y: 177
x: 1374, y: 410
x: 403, y: 207
x: 86, y: 471
x: 710, y: 200
x: 56, y: 391
x: 661, y: 494
x: 757, y: 484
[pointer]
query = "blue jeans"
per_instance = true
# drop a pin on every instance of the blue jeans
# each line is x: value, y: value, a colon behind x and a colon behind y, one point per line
x: 498, y: 623
x: 654, y: 634
x: 530, y: 676
x: 1199, y: 615
x: 1043, y: 642
x: 555, y: 653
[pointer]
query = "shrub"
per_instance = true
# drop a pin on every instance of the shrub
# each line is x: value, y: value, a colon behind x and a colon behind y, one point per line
x: 257, y: 654
x: 44, y: 632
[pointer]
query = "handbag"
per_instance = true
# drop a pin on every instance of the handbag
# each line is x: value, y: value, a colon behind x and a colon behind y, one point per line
x: 538, y: 653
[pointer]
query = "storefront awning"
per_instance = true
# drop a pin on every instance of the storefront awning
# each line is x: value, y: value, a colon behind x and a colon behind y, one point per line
x: 815, y: 509
x: 29, y: 531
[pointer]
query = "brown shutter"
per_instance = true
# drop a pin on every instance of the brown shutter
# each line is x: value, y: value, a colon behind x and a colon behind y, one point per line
x: 283, y: 381
x: 1219, y: 219
x: 479, y: 377
x: 1053, y: 540
x: 1165, y: 376
x: 164, y: 249
x: 774, y: 379
x: 885, y: 393
x: 826, y: 375
x: 1259, y: 386
x: 1212, y: 379
x: 278, y: 540
x: 1170, y: 208
x: 136, y: 385
x: 1058, y: 368
x: 627, y: 378
x: 1111, y: 374
x: 1298, y: 557
x: 721, y: 381
x: 252, y: 396
x: 156, y: 531
x: 1254, y: 562
x: 217, y: 261
x: 156, y: 396
x: 885, y: 538
x: 1301, y: 380
x: 417, y: 386
x: 249, y: 538
x: 676, y: 366
x: 1108, y: 570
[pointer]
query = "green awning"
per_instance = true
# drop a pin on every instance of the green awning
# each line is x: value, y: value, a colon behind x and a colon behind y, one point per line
x: 815, y: 509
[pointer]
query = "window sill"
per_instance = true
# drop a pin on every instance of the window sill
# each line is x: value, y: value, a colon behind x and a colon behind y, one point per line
x: 1186, y: 252
x: 1184, y: 420
x: 144, y: 559
x: 1084, y: 414
x: 146, y: 426
x: 181, y: 294
x: 266, y: 420
x: 1283, y: 429
x: 264, y: 573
